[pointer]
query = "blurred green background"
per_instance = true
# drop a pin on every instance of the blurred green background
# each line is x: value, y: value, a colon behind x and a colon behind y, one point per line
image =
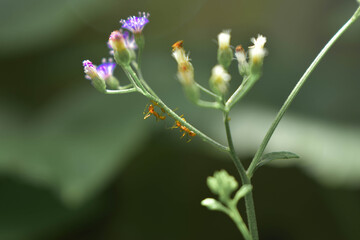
x: 76, y: 164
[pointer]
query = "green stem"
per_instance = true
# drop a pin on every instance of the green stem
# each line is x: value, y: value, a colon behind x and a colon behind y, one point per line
x: 205, y: 90
x: 206, y: 104
x: 137, y: 84
x: 132, y: 75
x: 296, y: 90
x: 126, y: 86
x: 203, y: 136
x: 141, y: 78
x: 249, y: 202
x: 236, y: 217
x: 121, y: 91
x: 242, y: 90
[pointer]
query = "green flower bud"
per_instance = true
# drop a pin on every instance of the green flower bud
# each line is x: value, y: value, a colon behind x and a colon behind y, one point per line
x: 212, y: 204
x: 91, y: 73
x: 123, y: 57
x: 118, y: 43
x: 99, y: 84
x: 222, y: 184
x: 225, y: 53
x: 112, y: 83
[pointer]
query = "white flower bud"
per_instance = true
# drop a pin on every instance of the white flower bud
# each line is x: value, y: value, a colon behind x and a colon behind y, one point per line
x: 257, y: 52
x: 241, y: 58
x: 219, y: 79
x: 224, y: 39
x: 212, y: 204
x: 185, y: 68
x: 225, y: 53
x: 185, y: 72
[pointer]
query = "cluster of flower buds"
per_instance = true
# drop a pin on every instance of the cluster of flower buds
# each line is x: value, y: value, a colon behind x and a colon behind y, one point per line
x: 123, y: 45
x: 219, y: 80
x: 223, y: 185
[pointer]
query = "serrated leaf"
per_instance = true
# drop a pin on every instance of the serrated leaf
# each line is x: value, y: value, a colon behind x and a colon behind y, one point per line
x: 266, y: 158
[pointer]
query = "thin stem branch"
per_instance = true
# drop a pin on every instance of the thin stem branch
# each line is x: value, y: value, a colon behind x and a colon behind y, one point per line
x: 206, y: 104
x: 242, y: 90
x: 296, y: 90
x: 249, y: 201
x: 121, y: 91
x: 205, y: 90
x: 131, y: 74
x: 141, y: 78
x: 134, y: 82
x: 234, y: 214
x: 126, y: 86
x: 203, y: 136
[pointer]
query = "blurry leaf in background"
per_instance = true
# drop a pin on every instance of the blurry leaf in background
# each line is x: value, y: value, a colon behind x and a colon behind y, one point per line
x: 329, y: 152
x: 42, y: 22
x: 76, y: 145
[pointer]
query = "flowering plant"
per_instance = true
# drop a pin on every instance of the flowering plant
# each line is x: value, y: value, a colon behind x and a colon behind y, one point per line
x: 127, y: 45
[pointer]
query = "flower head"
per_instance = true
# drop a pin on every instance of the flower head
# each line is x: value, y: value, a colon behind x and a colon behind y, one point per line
x: 185, y: 68
x: 240, y: 55
x: 258, y: 42
x: 219, y: 79
x: 93, y: 74
x: 225, y: 54
x: 90, y: 70
x: 117, y: 41
x: 224, y: 39
x: 103, y: 71
x: 106, y: 69
x: 257, y: 52
x: 129, y: 41
x: 126, y: 40
x: 135, y: 24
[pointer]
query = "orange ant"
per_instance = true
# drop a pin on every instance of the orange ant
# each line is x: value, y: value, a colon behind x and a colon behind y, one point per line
x: 178, y: 44
x: 190, y: 133
x: 153, y: 112
x: 156, y: 104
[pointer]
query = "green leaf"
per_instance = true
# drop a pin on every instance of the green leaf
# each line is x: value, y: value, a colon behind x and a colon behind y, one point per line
x: 266, y: 158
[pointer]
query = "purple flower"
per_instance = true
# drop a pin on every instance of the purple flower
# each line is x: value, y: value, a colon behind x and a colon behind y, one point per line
x: 103, y: 71
x: 119, y: 37
x: 129, y: 41
x: 135, y: 24
x: 106, y: 69
x: 89, y: 70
